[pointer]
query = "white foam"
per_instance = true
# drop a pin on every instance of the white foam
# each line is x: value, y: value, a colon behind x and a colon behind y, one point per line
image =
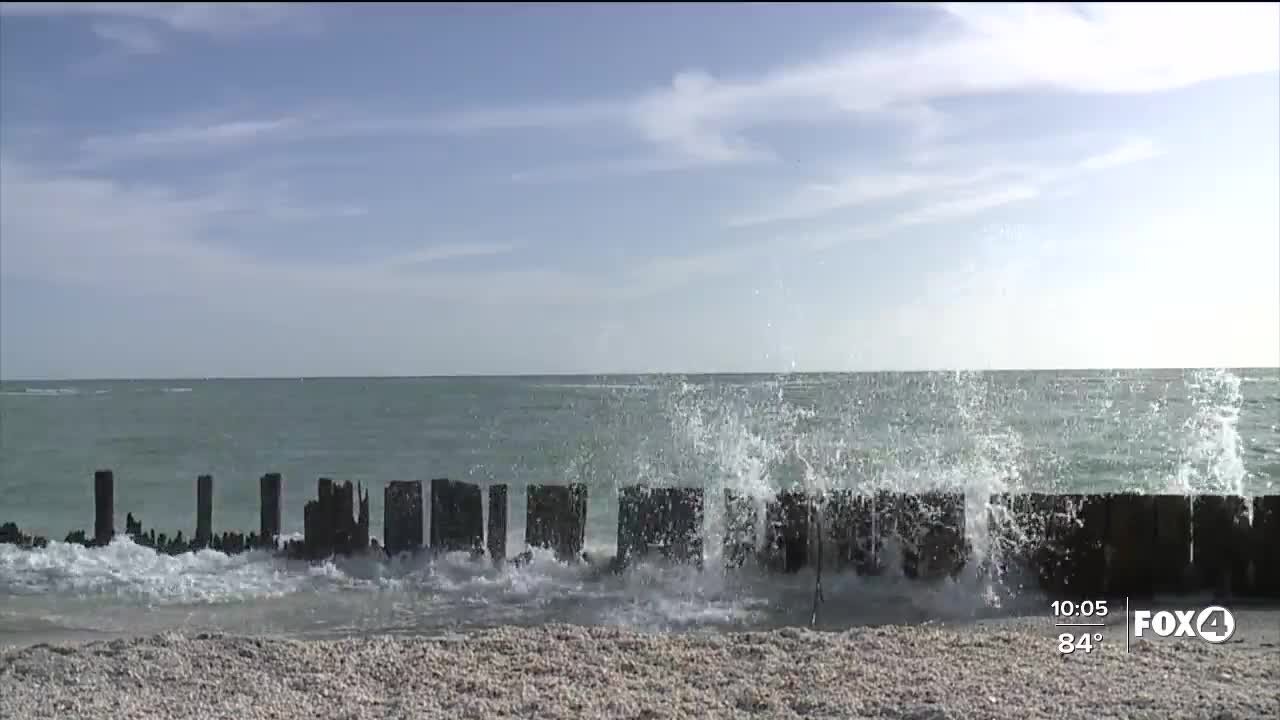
x: 126, y: 570
x: 43, y: 392
x: 1211, y: 455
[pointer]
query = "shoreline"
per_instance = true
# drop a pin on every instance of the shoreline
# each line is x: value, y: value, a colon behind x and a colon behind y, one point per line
x: 996, y: 669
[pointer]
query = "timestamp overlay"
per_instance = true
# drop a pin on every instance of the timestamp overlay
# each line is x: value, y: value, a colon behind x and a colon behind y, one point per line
x: 1081, y: 624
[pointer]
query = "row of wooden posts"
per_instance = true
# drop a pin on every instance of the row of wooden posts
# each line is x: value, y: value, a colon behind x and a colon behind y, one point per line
x: 1074, y: 545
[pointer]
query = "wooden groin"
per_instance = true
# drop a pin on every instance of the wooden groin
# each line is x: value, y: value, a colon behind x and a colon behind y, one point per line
x: 1078, y: 546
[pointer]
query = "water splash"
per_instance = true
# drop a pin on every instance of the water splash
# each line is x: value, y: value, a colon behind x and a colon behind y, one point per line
x: 1211, y: 458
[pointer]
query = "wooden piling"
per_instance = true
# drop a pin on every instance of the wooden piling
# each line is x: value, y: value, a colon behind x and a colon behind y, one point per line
x: 269, y: 487
x: 848, y: 526
x: 556, y: 518
x: 739, y: 541
x: 311, y: 529
x: 457, y: 516
x: 1066, y: 542
x: 1266, y: 546
x: 344, y: 521
x: 632, y: 540
x: 361, y: 540
x: 1130, y: 544
x: 322, y: 543
x: 1171, y: 551
x: 668, y: 519
x: 204, y: 510
x: 893, y: 530
x: 103, y: 507
x: 402, y: 516
x: 132, y: 527
x: 941, y: 548
x: 787, y: 532
x: 683, y: 512
x: 1220, y: 544
x: 496, y: 537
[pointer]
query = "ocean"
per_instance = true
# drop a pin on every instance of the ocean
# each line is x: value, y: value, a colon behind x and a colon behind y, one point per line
x: 1183, y: 431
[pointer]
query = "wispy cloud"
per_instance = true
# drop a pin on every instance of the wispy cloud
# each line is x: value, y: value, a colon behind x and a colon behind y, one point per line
x: 142, y: 28
x: 186, y: 139
x: 701, y: 120
x: 1127, y: 154
x: 439, y: 253
x: 1129, y: 49
x: 132, y: 38
x: 204, y: 18
x: 942, y: 195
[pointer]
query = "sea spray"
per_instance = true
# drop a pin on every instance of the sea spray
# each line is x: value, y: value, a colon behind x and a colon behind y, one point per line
x: 1211, y: 458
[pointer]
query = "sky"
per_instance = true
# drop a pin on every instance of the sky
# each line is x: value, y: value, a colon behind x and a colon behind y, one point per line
x: 229, y: 190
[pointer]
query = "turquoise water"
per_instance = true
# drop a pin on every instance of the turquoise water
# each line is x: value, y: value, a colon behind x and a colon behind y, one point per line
x: 1131, y: 430
x: 1169, y: 431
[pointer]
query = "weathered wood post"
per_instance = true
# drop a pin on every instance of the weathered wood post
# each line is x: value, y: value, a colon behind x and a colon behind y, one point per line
x: 1130, y: 545
x: 344, y: 522
x: 1070, y: 557
x: 941, y: 547
x: 402, y: 516
x: 1220, y: 544
x: 1266, y: 545
x: 269, y: 487
x: 787, y: 519
x: 103, y: 507
x: 684, y: 512
x: 457, y: 516
x: 1171, y: 554
x: 556, y: 518
x: 325, y: 514
x: 497, y: 530
x: 204, y: 510
x: 631, y: 526
x: 361, y: 540
x: 849, y: 520
x: 739, y: 541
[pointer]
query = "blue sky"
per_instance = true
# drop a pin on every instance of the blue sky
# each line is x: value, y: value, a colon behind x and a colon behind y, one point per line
x: 280, y: 190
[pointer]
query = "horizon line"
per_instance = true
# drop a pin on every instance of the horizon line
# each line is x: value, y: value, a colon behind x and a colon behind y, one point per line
x: 525, y: 375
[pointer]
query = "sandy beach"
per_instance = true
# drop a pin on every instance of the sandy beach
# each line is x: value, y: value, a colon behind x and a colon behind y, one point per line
x: 563, y: 671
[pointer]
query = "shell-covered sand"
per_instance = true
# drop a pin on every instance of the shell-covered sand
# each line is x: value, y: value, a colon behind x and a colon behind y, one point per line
x: 580, y: 672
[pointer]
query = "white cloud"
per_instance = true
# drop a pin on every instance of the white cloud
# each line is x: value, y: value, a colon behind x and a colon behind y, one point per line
x: 937, y: 192
x: 204, y: 18
x: 702, y: 120
x: 1127, y: 154
x: 1137, y: 48
x: 187, y: 138
x: 132, y: 38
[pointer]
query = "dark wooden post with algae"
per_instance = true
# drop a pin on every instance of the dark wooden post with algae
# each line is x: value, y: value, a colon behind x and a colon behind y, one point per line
x: 1220, y: 544
x: 739, y: 541
x: 103, y: 507
x: 556, y: 518
x: 669, y: 518
x: 457, y: 516
x: 1266, y: 546
x: 269, y: 487
x: 204, y: 510
x: 787, y: 531
x: 497, y: 530
x: 402, y: 516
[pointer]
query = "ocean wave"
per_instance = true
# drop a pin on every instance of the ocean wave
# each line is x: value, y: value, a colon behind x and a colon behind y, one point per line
x: 43, y: 392
x: 596, y: 386
x: 176, y: 390
x: 128, y: 585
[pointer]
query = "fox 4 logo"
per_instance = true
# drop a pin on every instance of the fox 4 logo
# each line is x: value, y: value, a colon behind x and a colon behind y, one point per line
x: 1214, y: 624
